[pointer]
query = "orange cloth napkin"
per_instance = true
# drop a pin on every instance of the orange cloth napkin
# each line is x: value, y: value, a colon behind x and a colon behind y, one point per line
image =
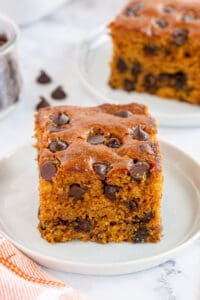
x: 23, y: 279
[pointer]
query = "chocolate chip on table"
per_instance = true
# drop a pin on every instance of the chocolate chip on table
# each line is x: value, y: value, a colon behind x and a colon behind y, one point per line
x: 162, y: 23
x: 76, y: 191
x: 42, y: 103
x: 114, y: 142
x: 3, y: 39
x: 150, y: 49
x: 101, y: 169
x: 141, y: 235
x: 139, y: 170
x: 180, y: 80
x: 111, y: 191
x: 151, y: 82
x: 96, y: 139
x: 139, y: 134
x: 180, y: 36
x: 48, y: 170
x: 60, y: 119
x: 83, y: 225
x: 57, y: 145
x: 136, y: 68
x: 123, y: 113
x: 134, y: 9
x: 43, y: 78
x: 129, y: 85
x: 59, y: 94
x: 131, y: 204
x: 121, y: 65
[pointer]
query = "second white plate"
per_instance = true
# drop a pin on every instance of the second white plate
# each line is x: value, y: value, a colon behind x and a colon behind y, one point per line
x: 180, y: 213
x: 94, y: 55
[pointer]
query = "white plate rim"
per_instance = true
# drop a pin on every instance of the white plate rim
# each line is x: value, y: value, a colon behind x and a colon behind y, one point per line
x: 108, y: 268
x: 168, y: 121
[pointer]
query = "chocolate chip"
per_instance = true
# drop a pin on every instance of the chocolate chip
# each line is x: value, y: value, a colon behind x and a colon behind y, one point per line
x: 144, y: 147
x: 129, y: 85
x: 136, y: 68
x: 147, y: 217
x: 114, y: 142
x: 187, y: 54
x: 60, y: 119
x: 101, y: 169
x: 134, y: 9
x: 188, y: 17
x: 96, y: 139
x: 55, y: 129
x: 76, y: 191
x: 139, y: 134
x: 164, y: 78
x: 3, y: 39
x: 123, y: 113
x: 180, y: 36
x: 57, y: 145
x: 162, y: 23
x: 132, y: 204
x: 82, y: 225
x: 151, y: 82
x: 150, y: 49
x: 43, y: 103
x: 141, y: 235
x: 111, y: 191
x: 139, y: 170
x: 48, y: 170
x: 113, y: 223
x: 63, y: 222
x: 180, y: 80
x: 168, y: 9
x: 167, y: 52
x: 43, y: 78
x: 58, y: 93
x: 42, y: 226
x: 121, y: 65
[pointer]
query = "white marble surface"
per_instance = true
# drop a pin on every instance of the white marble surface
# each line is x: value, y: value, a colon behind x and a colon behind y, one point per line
x: 51, y: 44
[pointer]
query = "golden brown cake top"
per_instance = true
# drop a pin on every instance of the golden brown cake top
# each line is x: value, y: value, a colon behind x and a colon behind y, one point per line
x: 179, y: 19
x: 78, y: 137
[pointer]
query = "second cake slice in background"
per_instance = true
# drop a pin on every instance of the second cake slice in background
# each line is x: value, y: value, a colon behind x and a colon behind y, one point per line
x: 156, y: 49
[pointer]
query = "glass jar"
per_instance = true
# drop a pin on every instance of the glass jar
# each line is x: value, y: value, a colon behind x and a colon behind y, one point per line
x: 10, y: 77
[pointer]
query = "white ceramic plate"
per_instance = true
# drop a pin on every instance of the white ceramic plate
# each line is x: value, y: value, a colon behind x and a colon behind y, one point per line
x: 180, y: 212
x: 93, y: 65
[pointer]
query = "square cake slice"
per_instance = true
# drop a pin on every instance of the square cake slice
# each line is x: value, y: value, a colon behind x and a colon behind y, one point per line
x: 100, y: 175
x: 156, y: 49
